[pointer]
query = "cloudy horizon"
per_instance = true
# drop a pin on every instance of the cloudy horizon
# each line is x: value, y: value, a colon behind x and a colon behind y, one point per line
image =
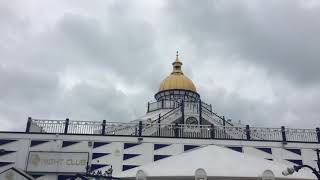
x: 254, y: 61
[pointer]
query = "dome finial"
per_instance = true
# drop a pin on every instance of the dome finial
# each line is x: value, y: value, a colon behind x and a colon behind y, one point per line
x: 177, y: 65
x: 177, y: 56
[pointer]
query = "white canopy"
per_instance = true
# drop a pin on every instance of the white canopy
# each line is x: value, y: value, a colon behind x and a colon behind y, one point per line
x: 217, y: 162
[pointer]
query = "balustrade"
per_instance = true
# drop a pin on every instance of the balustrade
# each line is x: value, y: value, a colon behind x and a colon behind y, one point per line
x: 157, y: 129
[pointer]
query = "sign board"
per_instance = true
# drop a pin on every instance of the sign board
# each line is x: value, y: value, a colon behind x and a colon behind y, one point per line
x: 64, y: 162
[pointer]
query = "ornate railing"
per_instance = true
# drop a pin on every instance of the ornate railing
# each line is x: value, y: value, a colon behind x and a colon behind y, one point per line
x: 172, y: 130
x: 83, y: 127
x: 124, y: 129
x: 47, y: 126
x: 309, y: 135
x: 272, y: 134
x: 164, y: 104
x: 210, y: 115
x: 171, y: 104
x: 207, y: 106
x: 173, y: 114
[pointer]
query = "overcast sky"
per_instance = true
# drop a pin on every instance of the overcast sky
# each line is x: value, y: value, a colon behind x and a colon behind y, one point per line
x: 254, y: 61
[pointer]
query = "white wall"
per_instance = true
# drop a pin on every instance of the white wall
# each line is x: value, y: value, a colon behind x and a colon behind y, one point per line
x: 16, y: 152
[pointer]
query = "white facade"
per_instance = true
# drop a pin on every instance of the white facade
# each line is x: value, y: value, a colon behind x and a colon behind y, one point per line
x: 213, y: 162
x: 124, y: 153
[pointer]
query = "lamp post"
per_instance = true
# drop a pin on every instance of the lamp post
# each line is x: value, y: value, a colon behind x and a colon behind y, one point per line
x: 291, y: 170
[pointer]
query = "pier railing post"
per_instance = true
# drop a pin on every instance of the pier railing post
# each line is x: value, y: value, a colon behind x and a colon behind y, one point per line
x: 318, y: 134
x: 176, y: 130
x: 283, y: 132
x: 224, y: 127
x: 182, y: 112
x: 28, y: 124
x: 104, y: 122
x: 159, y: 125
x: 212, y: 133
x: 140, y: 128
x: 248, y: 132
x: 66, y: 126
x: 200, y: 112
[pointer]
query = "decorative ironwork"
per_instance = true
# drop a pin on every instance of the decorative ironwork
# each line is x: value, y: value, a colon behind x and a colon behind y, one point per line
x: 291, y: 170
x: 106, y: 175
x: 159, y: 129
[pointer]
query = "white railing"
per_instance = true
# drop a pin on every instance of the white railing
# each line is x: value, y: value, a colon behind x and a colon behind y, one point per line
x: 173, y: 130
x: 164, y: 104
x: 83, y: 127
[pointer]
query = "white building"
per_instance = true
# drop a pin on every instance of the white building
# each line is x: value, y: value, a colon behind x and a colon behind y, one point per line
x: 179, y: 136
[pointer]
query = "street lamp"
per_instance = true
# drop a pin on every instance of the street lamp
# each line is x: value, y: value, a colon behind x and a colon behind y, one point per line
x: 291, y: 170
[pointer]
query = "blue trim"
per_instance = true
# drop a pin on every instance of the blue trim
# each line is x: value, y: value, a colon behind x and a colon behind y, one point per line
x: 64, y: 177
x: 69, y: 143
x: 127, y: 167
x: 295, y: 161
x: 129, y: 145
x: 37, y: 142
x: 235, y: 148
x: 6, y: 141
x: 296, y: 151
x: 98, y: 166
x: 98, y: 144
x: 2, y: 153
x: 267, y: 150
x: 5, y: 163
x: 97, y: 155
x: 158, y: 157
x: 189, y: 147
x: 129, y: 156
x: 37, y: 175
x: 159, y: 146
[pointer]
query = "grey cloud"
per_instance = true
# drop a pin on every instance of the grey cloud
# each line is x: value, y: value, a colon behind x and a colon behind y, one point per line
x: 281, y: 36
x: 95, y: 46
x: 282, y: 112
x: 117, y: 45
x: 92, y: 103
x: 32, y: 68
x: 24, y: 91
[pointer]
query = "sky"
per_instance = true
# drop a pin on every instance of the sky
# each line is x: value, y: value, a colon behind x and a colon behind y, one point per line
x: 255, y: 61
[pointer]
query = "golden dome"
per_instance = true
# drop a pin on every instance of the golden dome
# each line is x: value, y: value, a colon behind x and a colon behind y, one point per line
x: 177, y: 80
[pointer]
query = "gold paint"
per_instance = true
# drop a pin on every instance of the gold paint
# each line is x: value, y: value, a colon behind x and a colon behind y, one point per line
x: 177, y: 80
x: 35, y: 159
